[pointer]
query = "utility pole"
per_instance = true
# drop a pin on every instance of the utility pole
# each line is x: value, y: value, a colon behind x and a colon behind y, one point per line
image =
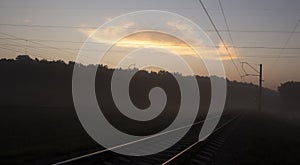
x: 260, y: 81
x: 260, y: 87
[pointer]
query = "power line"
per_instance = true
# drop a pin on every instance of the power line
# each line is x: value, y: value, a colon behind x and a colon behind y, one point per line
x: 226, y: 23
x: 45, y: 46
x: 50, y: 26
x: 170, y: 45
x: 76, y: 49
x: 294, y: 8
x: 108, y: 8
x: 260, y: 31
x: 272, y: 57
x: 10, y: 35
x: 21, y: 45
x: 81, y: 42
x: 50, y: 40
x: 228, y: 29
x: 18, y: 38
x: 266, y: 47
x: 214, y: 26
x: 95, y: 27
x: 11, y: 50
x: 56, y: 48
x: 288, y: 40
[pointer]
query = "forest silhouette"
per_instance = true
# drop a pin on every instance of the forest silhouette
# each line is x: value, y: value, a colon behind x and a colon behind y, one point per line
x: 32, y: 82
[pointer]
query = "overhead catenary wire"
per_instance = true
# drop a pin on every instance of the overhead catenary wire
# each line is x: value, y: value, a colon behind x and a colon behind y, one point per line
x: 38, y: 43
x: 10, y: 35
x: 219, y: 35
x: 229, y: 32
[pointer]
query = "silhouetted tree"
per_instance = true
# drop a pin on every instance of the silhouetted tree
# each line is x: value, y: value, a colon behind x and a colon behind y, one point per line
x: 290, y: 94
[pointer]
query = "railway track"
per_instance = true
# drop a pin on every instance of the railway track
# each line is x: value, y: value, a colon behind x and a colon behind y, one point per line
x: 187, y: 150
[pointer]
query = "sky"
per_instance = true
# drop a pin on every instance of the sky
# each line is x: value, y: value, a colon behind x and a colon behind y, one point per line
x: 261, y: 32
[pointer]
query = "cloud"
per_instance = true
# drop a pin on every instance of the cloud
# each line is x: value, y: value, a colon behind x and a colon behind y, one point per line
x: 106, y: 35
x: 156, y: 39
x: 27, y: 20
